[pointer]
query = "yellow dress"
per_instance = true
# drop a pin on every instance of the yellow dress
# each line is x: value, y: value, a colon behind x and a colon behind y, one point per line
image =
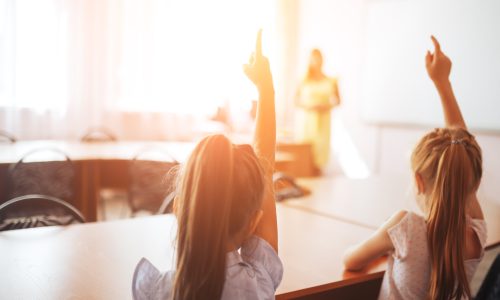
x: 314, y: 126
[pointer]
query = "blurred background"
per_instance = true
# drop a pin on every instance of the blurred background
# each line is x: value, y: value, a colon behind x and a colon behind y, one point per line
x: 172, y: 70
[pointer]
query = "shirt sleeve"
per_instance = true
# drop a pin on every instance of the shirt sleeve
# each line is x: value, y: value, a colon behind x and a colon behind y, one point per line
x: 258, y: 253
x: 479, y: 227
x: 144, y: 280
x: 399, y: 236
x: 149, y: 283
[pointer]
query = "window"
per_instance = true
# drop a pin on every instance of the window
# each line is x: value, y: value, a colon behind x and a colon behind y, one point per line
x: 187, y: 56
x: 181, y: 56
x: 33, y: 55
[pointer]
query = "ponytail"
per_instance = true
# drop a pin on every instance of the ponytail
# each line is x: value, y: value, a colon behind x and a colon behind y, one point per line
x: 450, y: 162
x: 207, y: 219
x: 446, y: 226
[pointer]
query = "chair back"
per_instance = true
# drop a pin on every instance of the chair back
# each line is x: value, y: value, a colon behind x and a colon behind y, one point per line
x: 44, y: 171
x: 36, y: 211
x: 152, y: 179
x: 6, y: 137
x: 98, y: 135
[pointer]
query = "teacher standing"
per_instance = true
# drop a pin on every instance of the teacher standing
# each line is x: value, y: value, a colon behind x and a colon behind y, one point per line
x: 317, y: 95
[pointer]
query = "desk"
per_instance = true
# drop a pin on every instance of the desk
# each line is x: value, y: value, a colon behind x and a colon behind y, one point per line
x: 123, y: 150
x: 369, y: 202
x: 97, y: 260
x: 98, y: 165
x: 126, y: 150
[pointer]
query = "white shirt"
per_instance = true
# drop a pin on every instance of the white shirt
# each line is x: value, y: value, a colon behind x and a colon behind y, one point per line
x: 409, y: 267
x: 253, y: 274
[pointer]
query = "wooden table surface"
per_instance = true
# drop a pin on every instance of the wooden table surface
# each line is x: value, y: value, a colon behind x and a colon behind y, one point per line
x: 312, y: 249
x: 97, y: 260
x: 10, y: 153
x: 120, y: 150
x: 369, y: 202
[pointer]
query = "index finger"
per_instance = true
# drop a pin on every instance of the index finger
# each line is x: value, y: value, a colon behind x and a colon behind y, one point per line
x: 258, y: 44
x: 437, y: 47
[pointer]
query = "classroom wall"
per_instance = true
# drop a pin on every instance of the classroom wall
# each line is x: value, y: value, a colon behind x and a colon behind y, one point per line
x: 337, y: 27
x: 397, y: 32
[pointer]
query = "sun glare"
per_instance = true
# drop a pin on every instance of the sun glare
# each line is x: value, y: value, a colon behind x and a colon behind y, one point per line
x: 193, y: 53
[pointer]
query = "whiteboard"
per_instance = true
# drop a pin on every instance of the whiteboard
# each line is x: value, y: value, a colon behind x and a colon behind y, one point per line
x: 396, y: 89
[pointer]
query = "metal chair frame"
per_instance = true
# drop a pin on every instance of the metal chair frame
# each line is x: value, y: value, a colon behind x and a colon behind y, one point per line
x: 58, y: 203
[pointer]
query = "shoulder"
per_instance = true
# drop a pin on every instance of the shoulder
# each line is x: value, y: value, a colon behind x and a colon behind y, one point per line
x: 149, y: 283
x: 402, y: 228
x: 396, y: 218
x: 256, y: 249
x: 404, y: 221
x: 476, y: 235
x: 253, y: 274
x: 384, y: 233
x: 263, y: 259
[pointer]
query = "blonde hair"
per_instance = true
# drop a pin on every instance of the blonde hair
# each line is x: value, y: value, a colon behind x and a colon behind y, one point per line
x: 220, y: 189
x: 449, y: 161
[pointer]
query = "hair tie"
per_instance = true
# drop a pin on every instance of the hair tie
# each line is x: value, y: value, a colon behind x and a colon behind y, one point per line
x: 458, y: 141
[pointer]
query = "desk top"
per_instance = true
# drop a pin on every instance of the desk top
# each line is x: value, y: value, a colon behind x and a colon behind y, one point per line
x: 122, y: 150
x: 97, y: 260
x: 10, y: 153
x: 369, y: 202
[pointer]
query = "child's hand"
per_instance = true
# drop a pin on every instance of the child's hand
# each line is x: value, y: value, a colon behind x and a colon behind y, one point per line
x: 438, y: 64
x: 439, y: 67
x: 257, y: 70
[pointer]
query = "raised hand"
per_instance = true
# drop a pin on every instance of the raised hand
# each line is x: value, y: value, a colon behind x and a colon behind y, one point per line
x: 257, y: 70
x: 439, y: 67
x: 438, y: 64
x: 265, y: 138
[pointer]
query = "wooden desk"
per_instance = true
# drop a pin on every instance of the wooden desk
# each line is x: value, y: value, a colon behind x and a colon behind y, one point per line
x: 125, y: 150
x: 312, y: 247
x: 369, y: 202
x: 97, y: 260
x: 98, y: 165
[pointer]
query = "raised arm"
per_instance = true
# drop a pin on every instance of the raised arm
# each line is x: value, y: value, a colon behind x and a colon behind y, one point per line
x: 259, y: 73
x: 439, y: 67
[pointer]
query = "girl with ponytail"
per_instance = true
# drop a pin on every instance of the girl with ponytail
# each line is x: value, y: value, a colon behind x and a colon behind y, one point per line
x: 227, y: 238
x: 434, y: 256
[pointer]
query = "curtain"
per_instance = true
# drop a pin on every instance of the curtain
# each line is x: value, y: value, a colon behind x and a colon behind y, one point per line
x: 145, y: 69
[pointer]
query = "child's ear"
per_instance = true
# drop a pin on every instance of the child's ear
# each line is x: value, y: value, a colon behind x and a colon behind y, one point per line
x: 255, y: 222
x: 420, y: 183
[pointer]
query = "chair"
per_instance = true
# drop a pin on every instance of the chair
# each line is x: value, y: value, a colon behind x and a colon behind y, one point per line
x: 490, y: 288
x: 36, y: 211
x: 6, y: 137
x: 151, y: 181
x: 44, y: 171
x: 101, y: 135
x: 98, y: 135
